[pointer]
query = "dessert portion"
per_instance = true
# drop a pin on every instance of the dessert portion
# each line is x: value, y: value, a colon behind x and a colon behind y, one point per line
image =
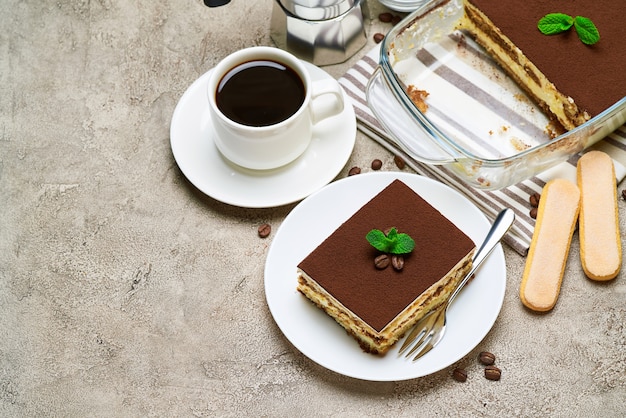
x: 549, y: 247
x: 378, y: 305
x: 600, y: 241
x: 569, y: 80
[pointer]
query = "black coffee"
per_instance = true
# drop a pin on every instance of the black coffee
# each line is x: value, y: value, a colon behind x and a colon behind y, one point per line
x: 260, y: 93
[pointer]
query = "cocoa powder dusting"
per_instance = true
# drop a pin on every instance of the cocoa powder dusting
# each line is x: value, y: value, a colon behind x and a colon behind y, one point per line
x: 343, y: 265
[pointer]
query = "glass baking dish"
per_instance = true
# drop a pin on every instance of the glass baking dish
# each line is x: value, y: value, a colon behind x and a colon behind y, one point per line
x: 479, y: 123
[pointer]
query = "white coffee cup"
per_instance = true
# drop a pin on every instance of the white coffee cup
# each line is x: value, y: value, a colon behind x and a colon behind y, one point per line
x: 276, y: 144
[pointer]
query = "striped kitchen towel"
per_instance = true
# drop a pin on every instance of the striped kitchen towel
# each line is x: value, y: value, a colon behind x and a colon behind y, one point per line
x: 516, y: 197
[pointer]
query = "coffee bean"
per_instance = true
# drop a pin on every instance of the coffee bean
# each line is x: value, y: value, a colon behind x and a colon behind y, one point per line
x: 493, y: 373
x: 397, y: 261
x: 265, y: 230
x: 534, y: 200
x: 381, y: 262
x: 624, y: 194
x: 460, y: 375
x: 486, y: 358
x: 377, y: 164
x: 396, y: 19
x: 353, y: 171
x: 378, y: 37
x: 399, y: 162
x: 385, y: 17
x: 533, y: 213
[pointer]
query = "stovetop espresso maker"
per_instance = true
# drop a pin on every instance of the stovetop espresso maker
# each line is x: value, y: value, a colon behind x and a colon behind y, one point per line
x: 322, y: 32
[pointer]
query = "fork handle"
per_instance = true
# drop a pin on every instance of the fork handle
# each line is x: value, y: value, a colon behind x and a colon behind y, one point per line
x: 500, y: 226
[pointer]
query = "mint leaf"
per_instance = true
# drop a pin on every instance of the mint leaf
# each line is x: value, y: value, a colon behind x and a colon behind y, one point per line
x: 379, y: 240
x: 586, y: 30
x: 393, y: 242
x: 404, y: 244
x: 554, y: 23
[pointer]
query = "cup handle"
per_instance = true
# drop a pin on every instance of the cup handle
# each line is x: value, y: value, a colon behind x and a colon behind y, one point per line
x: 326, y: 99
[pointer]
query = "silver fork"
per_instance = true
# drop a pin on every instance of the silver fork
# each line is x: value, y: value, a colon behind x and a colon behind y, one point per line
x: 429, y: 330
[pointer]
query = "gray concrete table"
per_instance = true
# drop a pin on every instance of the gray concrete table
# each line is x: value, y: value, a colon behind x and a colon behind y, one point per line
x: 124, y: 291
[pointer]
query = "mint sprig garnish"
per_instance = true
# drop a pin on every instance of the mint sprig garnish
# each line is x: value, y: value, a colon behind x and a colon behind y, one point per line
x: 586, y: 30
x: 393, y: 242
x: 554, y: 23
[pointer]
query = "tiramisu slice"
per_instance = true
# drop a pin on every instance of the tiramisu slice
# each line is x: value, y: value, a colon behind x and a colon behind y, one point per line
x: 377, y: 306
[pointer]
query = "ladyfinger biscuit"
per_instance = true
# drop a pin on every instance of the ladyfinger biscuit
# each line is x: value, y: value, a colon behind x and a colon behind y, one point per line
x: 549, y: 247
x: 600, y: 242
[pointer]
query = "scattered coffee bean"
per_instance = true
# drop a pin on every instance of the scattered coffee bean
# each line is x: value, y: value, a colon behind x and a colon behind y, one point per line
x: 533, y: 213
x: 377, y: 164
x: 460, y: 375
x: 493, y: 373
x: 378, y: 37
x: 385, y: 17
x: 397, y: 261
x: 354, y: 170
x: 265, y: 230
x: 399, y: 162
x: 381, y: 262
x: 624, y: 194
x: 486, y: 358
x: 534, y: 200
x: 396, y: 19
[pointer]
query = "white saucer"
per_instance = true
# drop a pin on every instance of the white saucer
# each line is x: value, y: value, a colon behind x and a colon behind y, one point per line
x: 191, y: 137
